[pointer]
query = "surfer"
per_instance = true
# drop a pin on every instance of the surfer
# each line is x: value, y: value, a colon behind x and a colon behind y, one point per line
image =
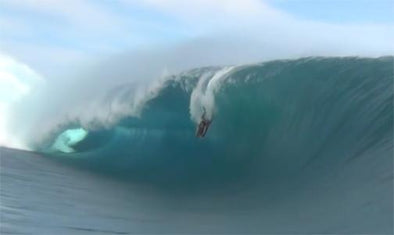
x: 202, y: 128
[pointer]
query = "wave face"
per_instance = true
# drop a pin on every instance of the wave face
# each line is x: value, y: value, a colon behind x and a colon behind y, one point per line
x: 298, y: 119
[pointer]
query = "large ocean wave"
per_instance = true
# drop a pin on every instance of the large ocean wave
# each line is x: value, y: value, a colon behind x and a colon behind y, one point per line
x: 271, y: 121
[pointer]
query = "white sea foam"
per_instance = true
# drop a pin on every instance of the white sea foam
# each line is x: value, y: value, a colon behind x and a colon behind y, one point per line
x: 17, y: 81
x: 202, y: 98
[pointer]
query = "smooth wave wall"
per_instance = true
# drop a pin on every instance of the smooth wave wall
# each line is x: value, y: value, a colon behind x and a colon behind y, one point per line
x: 274, y: 120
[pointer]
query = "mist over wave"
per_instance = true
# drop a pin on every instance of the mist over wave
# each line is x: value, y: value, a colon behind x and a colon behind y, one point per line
x: 274, y: 119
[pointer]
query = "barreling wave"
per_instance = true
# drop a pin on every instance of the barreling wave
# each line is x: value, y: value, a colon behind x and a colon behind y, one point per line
x: 273, y: 119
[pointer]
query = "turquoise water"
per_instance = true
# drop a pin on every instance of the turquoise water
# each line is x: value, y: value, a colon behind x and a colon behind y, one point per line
x: 295, y: 146
x: 274, y: 118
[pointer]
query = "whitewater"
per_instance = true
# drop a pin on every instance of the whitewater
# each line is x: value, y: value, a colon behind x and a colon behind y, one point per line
x: 300, y: 146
